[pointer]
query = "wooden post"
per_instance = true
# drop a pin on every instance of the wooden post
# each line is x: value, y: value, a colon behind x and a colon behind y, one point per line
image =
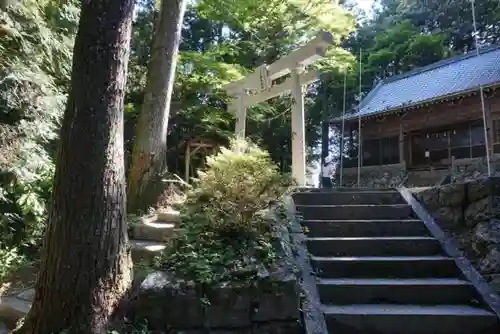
x: 298, y: 130
x: 241, y: 115
x: 401, y: 141
x: 187, y: 160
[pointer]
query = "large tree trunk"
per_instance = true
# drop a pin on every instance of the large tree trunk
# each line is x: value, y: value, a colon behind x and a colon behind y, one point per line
x: 150, y: 147
x: 85, y: 264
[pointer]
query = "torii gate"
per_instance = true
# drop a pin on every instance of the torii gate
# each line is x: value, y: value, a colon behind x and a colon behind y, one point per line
x: 258, y: 87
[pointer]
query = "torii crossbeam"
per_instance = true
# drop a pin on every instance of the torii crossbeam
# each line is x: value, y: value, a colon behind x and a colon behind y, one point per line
x: 259, y: 87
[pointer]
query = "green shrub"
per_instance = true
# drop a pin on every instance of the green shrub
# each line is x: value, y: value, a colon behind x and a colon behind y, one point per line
x: 10, y: 260
x: 227, y: 234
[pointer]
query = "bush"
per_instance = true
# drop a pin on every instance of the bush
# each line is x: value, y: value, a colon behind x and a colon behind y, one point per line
x: 10, y: 260
x: 227, y: 234
x: 35, y: 63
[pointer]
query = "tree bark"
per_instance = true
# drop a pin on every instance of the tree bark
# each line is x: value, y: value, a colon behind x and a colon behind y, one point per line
x: 85, y: 262
x: 150, y: 147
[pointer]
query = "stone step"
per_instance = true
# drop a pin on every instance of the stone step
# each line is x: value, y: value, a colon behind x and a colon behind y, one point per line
x: 409, y: 319
x: 385, y: 267
x: 343, y: 198
x: 341, y: 189
x: 12, y: 309
x: 169, y: 216
x: 145, y: 250
x: 355, y: 212
x: 366, y: 228
x: 427, y: 291
x: 152, y: 231
x: 373, y: 246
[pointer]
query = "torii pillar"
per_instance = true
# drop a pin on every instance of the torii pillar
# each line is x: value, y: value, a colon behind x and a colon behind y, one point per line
x: 258, y: 87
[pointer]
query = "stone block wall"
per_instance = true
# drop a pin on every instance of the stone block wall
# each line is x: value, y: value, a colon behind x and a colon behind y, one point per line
x: 470, y: 211
x: 463, y: 170
x: 386, y: 176
x: 270, y: 303
x: 269, y: 306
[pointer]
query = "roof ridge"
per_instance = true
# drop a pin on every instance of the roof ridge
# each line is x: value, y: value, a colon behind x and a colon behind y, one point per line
x: 441, y: 63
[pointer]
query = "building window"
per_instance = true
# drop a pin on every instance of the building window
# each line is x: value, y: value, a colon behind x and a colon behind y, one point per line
x: 438, y: 147
x: 381, y: 151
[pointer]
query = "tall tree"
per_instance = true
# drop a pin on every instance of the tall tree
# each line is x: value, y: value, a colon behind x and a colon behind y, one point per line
x: 150, y: 147
x: 85, y: 264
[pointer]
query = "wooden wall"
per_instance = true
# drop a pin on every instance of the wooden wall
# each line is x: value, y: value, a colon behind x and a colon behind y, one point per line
x: 461, y: 110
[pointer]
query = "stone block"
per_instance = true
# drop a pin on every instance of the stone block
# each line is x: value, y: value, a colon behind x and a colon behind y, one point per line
x: 277, y: 300
x: 452, y: 195
x: 481, y: 210
x: 165, y: 304
x: 228, y: 307
x: 488, y: 232
x: 448, y: 218
x: 429, y: 197
x: 483, y: 187
x: 284, y: 327
x: 490, y: 264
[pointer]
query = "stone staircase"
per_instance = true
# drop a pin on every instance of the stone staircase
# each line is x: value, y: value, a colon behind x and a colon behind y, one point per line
x: 148, y: 235
x: 379, y: 269
x: 147, y: 239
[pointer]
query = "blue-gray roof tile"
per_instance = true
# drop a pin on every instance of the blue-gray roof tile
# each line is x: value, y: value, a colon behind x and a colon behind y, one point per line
x: 441, y: 79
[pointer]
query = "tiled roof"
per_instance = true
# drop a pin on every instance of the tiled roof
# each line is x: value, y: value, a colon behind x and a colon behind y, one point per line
x: 439, y: 80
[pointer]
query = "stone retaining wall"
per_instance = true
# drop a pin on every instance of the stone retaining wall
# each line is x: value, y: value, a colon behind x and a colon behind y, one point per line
x: 386, y: 176
x: 470, y: 211
x: 468, y: 169
x: 269, y: 304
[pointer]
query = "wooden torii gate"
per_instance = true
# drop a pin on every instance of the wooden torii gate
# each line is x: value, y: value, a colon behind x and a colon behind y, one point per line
x: 259, y: 87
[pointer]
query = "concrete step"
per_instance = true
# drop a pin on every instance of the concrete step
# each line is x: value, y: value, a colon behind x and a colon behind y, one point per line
x: 373, y: 246
x: 355, y: 212
x: 385, y: 267
x: 341, y: 189
x: 366, y: 228
x: 12, y: 309
x: 145, y: 250
x: 343, y: 198
x: 408, y: 319
x: 427, y: 291
x: 152, y: 231
x: 168, y: 216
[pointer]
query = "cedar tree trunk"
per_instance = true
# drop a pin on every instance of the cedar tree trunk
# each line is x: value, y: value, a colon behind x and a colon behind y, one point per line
x: 150, y: 147
x: 85, y: 264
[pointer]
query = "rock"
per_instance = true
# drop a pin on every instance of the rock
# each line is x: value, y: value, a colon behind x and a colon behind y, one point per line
x: 165, y: 303
x: 483, y: 187
x: 3, y: 328
x: 452, y: 195
x: 277, y: 300
x: 449, y: 218
x: 27, y: 295
x: 481, y: 210
x: 288, y: 327
x: 488, y: 232
x: 494, y: 281
x: 429, y: 197
x: 490, y: 264
x: 228, y: 307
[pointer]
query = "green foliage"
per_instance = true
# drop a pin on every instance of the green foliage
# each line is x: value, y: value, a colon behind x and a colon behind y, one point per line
x: 227, y: 234
x: 35, y: 63
x: 10, y: 260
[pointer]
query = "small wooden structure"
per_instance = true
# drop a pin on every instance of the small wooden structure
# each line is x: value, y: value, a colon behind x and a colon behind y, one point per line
x: 431, y: 116
x: 196, y: 147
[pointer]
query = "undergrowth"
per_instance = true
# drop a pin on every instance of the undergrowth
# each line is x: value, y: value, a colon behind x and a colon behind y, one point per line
x: 36, y: 38
x: 228, y: 233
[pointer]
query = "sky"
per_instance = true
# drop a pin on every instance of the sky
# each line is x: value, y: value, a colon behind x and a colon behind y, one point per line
x: 365, y: 4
